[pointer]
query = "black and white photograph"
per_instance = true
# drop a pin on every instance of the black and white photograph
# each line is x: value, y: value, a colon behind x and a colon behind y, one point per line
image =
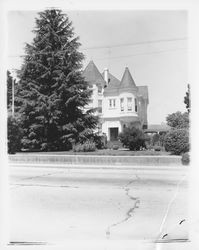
x: 98, y: 123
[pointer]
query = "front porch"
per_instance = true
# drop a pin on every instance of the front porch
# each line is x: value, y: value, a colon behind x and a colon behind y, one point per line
x: 112, y: 128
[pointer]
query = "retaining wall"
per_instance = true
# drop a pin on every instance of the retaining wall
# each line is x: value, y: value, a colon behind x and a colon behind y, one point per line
x: 96, y: 160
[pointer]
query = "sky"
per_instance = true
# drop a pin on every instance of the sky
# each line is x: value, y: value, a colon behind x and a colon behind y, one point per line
x: 152, y: 44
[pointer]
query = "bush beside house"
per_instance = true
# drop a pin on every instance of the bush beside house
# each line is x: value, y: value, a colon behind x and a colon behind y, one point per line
x: 177, y: 141
x: 88, y: 146
x: 133, y: 138
x: 185, y: 159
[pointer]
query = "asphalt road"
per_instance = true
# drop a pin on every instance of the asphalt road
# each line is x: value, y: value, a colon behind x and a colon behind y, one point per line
x: 55, y: 205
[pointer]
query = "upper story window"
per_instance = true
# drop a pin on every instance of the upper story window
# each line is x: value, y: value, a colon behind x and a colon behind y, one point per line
x: 129, y: 104
x: 112, y: 103
x: 122, y: 104
x: 136, y: 105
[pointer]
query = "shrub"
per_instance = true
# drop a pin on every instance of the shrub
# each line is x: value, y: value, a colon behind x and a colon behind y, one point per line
x: 14, y: 135
x: 157, y: 148
x: 115, y: 147
x: 133, y: 138
x: 150, y: 147
x: 156, y: 139
x: 177, y: 141
x: 100, y: 141
x: 85, y: 147
x: 185, y: 159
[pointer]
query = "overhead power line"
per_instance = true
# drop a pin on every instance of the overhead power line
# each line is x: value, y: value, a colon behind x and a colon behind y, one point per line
x: 140, y: 54
x: 124, y: 45
x: 134, y: 44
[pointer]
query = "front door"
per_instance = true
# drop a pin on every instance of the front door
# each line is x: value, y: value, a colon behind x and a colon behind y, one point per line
x: 113, y: 134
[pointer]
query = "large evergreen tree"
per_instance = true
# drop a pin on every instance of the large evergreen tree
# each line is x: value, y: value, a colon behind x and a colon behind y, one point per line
x: 52, y: 92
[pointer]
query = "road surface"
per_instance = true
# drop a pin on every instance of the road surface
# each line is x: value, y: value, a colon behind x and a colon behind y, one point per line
x: 55, y: 205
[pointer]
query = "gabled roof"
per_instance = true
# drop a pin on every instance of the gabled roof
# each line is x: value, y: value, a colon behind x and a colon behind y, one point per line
x: 92, y: 75
x: 143, y: 91
x: 127, y: 80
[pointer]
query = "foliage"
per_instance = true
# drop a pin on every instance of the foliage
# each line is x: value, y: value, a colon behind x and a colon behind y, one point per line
x: 88, y: 146
x: 187, y: 99
x: 14, y: 134
x: 115, y: 147
x: 177, y: 141
x: 9, y: 89
x: 133, y: 138
x: 185, y: 159
x: 155, y: 139
x: 178, y: 120
x: 157, y: 148
x: 99, y: 140
x: 52, y: 92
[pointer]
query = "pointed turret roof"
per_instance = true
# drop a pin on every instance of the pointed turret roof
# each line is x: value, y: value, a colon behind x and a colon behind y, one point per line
x: 92, y: 75
x: 127, y: 81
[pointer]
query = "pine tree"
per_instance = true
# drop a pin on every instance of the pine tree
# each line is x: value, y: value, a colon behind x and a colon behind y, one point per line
x: 52, y: 92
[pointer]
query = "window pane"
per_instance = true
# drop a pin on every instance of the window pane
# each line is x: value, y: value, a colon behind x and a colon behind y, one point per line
x: 114, y: 103
x: 122, y: 104
x: 136, y: 107
x: 129, y: 103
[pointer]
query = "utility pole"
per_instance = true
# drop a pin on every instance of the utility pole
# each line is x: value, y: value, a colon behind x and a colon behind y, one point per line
x: 13, y: 96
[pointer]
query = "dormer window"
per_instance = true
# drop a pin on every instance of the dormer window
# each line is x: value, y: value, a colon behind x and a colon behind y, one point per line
x: 129, y: 104
x: 99, y: 89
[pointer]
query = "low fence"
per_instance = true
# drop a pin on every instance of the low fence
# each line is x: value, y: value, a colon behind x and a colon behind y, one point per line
x: 96, y: 160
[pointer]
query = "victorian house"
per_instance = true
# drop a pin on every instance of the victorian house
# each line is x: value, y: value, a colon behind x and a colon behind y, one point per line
x: 120, y: 104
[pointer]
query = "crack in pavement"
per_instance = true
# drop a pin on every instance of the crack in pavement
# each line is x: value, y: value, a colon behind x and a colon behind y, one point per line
x: 43, y: 175
x: 43, y: 185
x: 33, y: 177
x: 130, y: 212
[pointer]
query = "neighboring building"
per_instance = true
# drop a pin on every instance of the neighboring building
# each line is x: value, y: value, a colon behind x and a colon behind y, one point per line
x: 120, y: 104
x: 157, y: 129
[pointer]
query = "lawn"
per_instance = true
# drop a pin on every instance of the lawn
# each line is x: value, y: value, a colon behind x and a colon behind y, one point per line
x: 106, y: 152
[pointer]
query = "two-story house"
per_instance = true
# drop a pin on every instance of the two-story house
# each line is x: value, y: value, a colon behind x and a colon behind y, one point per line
x: 120, y: 104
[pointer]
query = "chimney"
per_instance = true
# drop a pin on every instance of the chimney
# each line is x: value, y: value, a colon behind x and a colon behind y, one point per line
x: 106, y: 76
